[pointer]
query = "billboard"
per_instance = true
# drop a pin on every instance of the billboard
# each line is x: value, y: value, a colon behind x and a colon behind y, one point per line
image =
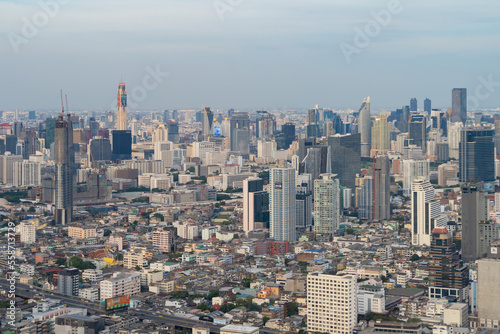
x: 217, y: 131
x: 117, y: 302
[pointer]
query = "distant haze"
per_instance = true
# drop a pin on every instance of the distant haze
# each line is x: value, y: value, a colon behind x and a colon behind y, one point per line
x: 248, y: 53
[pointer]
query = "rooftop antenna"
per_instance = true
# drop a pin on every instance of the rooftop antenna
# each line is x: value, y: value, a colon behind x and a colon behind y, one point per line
x: 62, y: 104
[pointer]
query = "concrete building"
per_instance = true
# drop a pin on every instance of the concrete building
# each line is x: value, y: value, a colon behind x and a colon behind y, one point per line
x: 488, y: 294
x: 382, y: 188
x: 251, y: 207
x: 27, y: 232
x: 162, y: 241
x: 425, y: 213
x: 64, y: 158
x: 380, y: 136
x: 364, y: 127
x: 120, y: 285
x: 459, y: 105
x: 456, y: 315
x: 345, y: 154
x: 447, y: 173
x: 413, y: 169
x: 476, y: 155
x: 68, y: 282
x: 327, y: 208
x: 331, y: 303
x: 304, y: 203
x: 474, y: 210
x: 282, y: 204
x: 78, y: 232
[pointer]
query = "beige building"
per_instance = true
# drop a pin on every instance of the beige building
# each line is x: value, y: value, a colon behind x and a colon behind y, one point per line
x: 447, y: 173
x: 456, y: 315
x: 120, y: 285
x: 380, y: 136
x: 236, y: 329
x: 331, y: 303
x: 27, y: 232
x: 82, y: 232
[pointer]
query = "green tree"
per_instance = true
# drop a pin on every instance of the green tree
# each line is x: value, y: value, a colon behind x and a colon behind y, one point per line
x: 264, y: 320
x: 61, y: 261
x: 107, y: 233
x: 137, y: 268
x: 414, y: 258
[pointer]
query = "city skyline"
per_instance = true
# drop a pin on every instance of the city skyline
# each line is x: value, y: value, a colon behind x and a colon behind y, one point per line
x: 225, y: 60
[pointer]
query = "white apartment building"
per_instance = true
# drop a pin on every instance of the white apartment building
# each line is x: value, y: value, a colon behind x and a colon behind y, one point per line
x: 150, y: 276
x: 133, y: 259
x: 425, y: 212
x: 92, y: 275
x: 371, y: 299
x: 282, y: 204
x: 27, y: 232
x: 121, y: 284
x: 266, y: 149
x: 331, y: 303
x: 207, y: 232
x: 200, y: 149
x: 413, y: 169
x: 189, y: 231
x: 91, y: 294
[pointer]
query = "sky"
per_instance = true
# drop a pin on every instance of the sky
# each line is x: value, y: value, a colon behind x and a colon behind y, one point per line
x: 256, y: 54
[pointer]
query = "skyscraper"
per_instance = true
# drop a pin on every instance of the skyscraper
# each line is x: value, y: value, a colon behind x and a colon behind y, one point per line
x: 207, y: 120
x: 313, y: 124
x: 253, y: 205
x: 417, y: 130
x: 345, y: 153
x: 425, y: 212
x: 240, y: 133
x: 380, y: 136
x: 413, y: 169
x: 474, y: 210
x: 68, y: 282
x: 427, y: 106
x: 122, y: 144
x: 288, y: 130
x: 476, y: 155
x: 364, y: 127
x: 121, y: 122
x: 327, y: 205
x: 413, y: 104
x: 488, y: 294
x: 448, y: 277
x: 381, y: 188
x: 282, y: 203
x: 364, y: 197
x: 304, y: 203
x: 64, y: 158
x: 459, y: 105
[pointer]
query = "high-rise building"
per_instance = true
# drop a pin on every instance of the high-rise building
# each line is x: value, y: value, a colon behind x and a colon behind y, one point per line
x: 331, y: 303
x: 288, y: 130
x: 345, y: 153
x: 459, y: 105
x: 64, y: 158
x: 68, y: 282
x: 476, y: 155
x: 163, y: 240
x: 448, y: 277
x: 121, y: 284
x: 364, y: 197
x: 427, y: 106
x: 207, y: 122
x: 474, y: 210
x: 413, y: 169
x: 255, y: 203
x: 240, y: 133
x: 316, y: 161
x: 121, y: 121
x: 282, y: 203
x: 417, y: 130
x: 327, y: 207
x: 173, y: 131
x: 380, y: 136
x: 265, y: 125
x: 453, y: 135
x: 413, y: 104
x: 488, y: 293
x: 99, y: 149
x: 382, y: 188
x: 304, y: 203
x: 122, y: 144
x: 447, y: 172
x: 364, y: 127
x: 425, y: 212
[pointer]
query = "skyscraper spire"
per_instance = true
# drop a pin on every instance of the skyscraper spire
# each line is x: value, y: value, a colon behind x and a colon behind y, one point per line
x: 121, y: 122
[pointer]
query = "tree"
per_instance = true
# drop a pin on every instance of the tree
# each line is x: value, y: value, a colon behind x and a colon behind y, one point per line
x: 264, y: 320
x: 61, y: 261
x: 79, y: 263
x: 159, y: 216
x: 137, y: 268
x: 107, y: 233
x: 414, y: 258
x: 31, y: 209
x: 350, y: 231
x: 383, y: 278
x: 191, y: 169
x: 246, y: 282
x: 293, y: 308
x: 119, y: 257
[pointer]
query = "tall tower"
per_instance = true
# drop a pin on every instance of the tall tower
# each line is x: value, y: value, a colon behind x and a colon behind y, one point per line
x: 476, y: 155
x: 121, y: 122
x: 459, y: 105
x: 365, y: 127
x: 282, y: 204
x: 64, y: 158
x: 381, y: 188
x: 474, y: 211
x: 425, y: 212
x: 326, y: 204
x: 380, y: 136
x: 207, y: 120
x: 413, y: 104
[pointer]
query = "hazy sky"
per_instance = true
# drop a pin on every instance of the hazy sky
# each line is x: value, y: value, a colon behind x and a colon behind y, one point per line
x: 248, y: 53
